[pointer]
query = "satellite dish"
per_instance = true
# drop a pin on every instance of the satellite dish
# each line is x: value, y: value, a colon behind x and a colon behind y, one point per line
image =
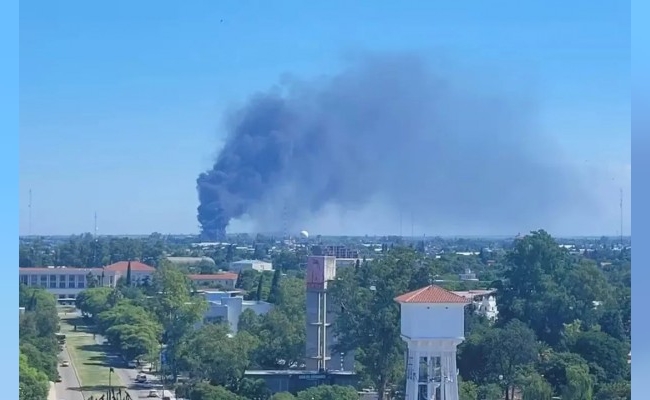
x: 304, y: 234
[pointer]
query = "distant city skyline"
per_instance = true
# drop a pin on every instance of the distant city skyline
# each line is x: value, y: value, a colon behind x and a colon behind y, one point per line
x: 121, y: 104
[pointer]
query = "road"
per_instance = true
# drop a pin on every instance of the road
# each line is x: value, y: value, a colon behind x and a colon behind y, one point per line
x: 68, y: 388
x: 128, y: 375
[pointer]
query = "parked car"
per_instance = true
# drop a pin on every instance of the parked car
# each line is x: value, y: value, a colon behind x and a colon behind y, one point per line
x: 132, y: 364
x: 153, y: 393
x: 141, y: 378
x: 59, y: 379
x: 65, y: 363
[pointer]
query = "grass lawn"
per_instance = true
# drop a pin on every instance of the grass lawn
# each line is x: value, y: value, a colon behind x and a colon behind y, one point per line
x: 87, y: 356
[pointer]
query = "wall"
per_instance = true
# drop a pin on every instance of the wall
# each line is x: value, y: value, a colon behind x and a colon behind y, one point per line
x: 433, y: 320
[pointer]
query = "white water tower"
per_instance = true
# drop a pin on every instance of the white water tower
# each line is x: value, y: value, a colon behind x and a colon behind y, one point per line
x: 432, y: 325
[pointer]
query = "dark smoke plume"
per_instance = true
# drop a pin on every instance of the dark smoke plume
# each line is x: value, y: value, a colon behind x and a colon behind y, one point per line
x: 451, y: 147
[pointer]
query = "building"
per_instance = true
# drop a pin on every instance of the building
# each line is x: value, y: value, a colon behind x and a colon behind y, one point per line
x: 224, y: 280
x: 63, y: 282
x: 468, y: 275
x: 320, y: 339
x: 432, y: 325
x: 191, y: 261
x: 140, y: 272
x: 244, y: 265
x: 227, y: 307
x: 484, y: 301
x: 294, y: 381
x: 67, y: 282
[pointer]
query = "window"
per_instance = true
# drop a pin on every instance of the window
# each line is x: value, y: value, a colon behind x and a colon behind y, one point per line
x: 23, y: 279
x: 34, y: 280
x: 71, y: 281
x: 62, y: 282
x: 52, y: 281
x: 81, y: 281
x: 43, y: 281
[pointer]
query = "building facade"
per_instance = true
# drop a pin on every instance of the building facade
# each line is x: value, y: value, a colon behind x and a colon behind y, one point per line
x: 244, y: 265
x: 225, y: 280
x: 227, y: 307
x: 67, y: 282
x: 63, y: 282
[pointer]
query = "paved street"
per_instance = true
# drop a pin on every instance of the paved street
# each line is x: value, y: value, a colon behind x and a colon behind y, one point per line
x: 68, y: 388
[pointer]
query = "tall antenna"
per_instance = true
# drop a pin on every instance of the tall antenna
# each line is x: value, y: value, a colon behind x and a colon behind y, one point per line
x: 29, y: 222
x: 621, y: 206
x: 95, y: 242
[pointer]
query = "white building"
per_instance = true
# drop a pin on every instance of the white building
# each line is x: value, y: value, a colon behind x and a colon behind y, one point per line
x: 67, y: 282
x: 243, y: 265
x: 432, y: 325
x: 484, y: 301
x: 63, y: 282
x: 228, y: 306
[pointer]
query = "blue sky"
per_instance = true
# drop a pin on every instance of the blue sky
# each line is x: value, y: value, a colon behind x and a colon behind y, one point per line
x: 121, y: 102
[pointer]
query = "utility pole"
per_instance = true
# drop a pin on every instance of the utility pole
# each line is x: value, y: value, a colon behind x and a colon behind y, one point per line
x: 621, y: 206
x: 29, y: 222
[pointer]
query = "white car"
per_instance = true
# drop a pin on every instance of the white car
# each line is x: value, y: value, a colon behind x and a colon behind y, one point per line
x: 153, y: 393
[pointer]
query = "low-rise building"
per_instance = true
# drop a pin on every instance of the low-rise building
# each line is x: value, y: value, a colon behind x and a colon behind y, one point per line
x: 484, y: 302
x: 63, y: 282
x: 191, y: 260
x: 67, y: 282
x: 227, y: 307
x: 225, y: 280
x: 140, y: 272
x: 244, y: 265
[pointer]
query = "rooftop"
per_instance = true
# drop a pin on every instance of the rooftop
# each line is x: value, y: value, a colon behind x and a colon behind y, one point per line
x: 470, y: 294
x: 213, y: 277
x: 60, y: 269
x: 431, y: 294
x: 249, y: 261
x: 136, y: 266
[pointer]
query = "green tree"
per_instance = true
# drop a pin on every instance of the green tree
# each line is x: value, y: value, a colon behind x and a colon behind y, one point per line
x: 283, y: 396
x: 176, y: 308
x: 209, y: 353
x: 621, y: 390
x: 326, y: 392
x: 579, y: 385
x: 468, y: 390
x: 93, y: 301
x: 128, y: 274
x: 369, y: 317
x: 602, y: 350
x: 205, y: 391
x: 260, y: 287
x: 275, y: 287
x: 534, y: 387
x: 33, y: 384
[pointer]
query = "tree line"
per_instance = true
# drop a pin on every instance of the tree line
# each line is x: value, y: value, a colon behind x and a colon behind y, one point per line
x: 563, y: 327
x: 38, y: 326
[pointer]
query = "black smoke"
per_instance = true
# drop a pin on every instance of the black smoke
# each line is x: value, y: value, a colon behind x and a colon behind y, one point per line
x: 453, y: 147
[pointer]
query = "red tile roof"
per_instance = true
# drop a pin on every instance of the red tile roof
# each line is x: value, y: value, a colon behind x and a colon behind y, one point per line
x: 431, y: 294
x: 136, y: 266
x: 213, y: 277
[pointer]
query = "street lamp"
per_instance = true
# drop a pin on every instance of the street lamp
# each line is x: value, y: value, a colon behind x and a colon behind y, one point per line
x: 110, y: 386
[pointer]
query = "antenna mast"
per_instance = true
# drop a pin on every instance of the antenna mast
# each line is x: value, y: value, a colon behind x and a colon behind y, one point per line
x: 621, y: 206
x: 29, y: 222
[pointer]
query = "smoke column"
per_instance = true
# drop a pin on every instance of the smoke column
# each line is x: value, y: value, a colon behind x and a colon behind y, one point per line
x: 448, y: 146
